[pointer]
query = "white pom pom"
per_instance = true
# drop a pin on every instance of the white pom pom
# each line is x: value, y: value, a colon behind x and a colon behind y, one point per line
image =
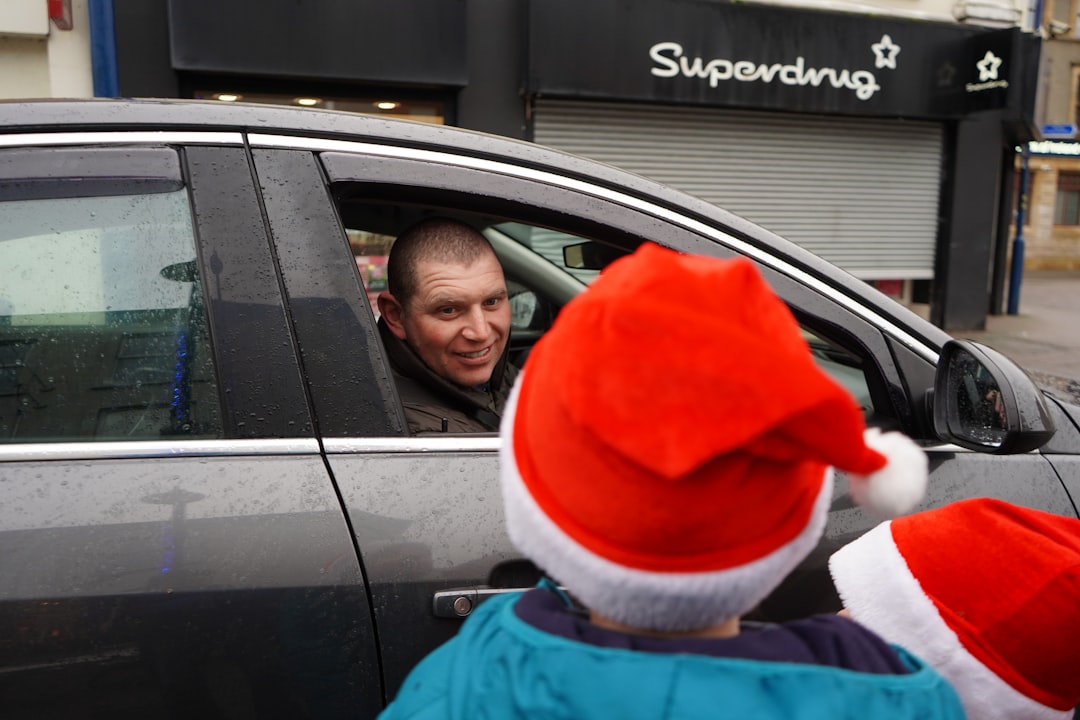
x: 899, y: 486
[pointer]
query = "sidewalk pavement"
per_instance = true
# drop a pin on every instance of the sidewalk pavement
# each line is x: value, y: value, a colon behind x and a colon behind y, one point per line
x: 1044, y: 336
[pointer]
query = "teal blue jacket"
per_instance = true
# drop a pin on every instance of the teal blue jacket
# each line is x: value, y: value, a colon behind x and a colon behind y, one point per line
x: 499, y: 666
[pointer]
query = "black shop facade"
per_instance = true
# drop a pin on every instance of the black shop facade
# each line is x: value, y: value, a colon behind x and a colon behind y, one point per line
x: 883, y: 144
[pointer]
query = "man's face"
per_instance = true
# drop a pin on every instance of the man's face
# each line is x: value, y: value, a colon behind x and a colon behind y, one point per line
x: 458, y: 321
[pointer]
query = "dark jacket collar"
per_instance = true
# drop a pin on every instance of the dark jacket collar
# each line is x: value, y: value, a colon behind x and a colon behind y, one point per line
x: 405, y: 362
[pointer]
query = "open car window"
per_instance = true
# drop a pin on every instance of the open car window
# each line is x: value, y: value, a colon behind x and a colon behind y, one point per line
x: 545, y: 268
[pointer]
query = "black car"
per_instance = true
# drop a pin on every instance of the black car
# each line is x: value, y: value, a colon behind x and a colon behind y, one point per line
x: 209, y: 502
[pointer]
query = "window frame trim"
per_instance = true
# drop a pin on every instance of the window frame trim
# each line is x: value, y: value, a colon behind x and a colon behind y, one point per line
x: 358, y: 148
x: 399, y: 180
x: 119, y: 450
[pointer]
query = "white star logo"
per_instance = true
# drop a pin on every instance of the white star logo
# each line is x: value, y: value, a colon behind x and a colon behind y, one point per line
x: 988, y: 67
x: 885, y: 52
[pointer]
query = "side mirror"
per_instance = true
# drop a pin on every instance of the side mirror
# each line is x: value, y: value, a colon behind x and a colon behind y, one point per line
x: 984, y: 401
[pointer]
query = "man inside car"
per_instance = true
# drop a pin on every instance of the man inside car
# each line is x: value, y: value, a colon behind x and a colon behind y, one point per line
x: 445, y: 322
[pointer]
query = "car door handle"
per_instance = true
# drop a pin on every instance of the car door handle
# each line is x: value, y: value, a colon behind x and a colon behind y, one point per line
x: 460, y: 602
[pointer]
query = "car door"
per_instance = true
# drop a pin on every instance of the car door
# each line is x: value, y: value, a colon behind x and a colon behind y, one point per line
x: 1063, y: 450
x: 426, y: 511
x: 171, y: 542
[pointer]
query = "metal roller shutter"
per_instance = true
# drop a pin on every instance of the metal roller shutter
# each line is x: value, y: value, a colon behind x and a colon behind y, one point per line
x: 860, y: 193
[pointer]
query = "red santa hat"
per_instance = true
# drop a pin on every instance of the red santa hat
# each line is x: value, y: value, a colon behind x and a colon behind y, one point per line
x: 985, y: 592
x: 667, y: 449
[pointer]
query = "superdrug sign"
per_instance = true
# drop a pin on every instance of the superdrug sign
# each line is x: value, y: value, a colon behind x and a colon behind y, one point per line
x: 755, y: 56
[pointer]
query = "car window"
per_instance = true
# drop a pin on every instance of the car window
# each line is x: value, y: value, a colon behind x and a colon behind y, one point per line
x: 538, y: 283
x: 544, y: 269
x: 561, y: 250
x: 843, y: 366
x: 370, y: 251
x: 102, y: 325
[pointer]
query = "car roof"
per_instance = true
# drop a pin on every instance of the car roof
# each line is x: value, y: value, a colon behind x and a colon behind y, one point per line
x: 104, y: 114
x: 100, y: 114
x: 91, y: 114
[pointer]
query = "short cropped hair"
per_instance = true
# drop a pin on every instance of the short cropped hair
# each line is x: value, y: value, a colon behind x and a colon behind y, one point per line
x: 433, y: 239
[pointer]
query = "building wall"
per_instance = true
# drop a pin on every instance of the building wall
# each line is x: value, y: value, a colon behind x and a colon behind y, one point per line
x: 1048, y: 246
x: 38, y: 60
x: 997, y: 13
x: 25, y: 64
x: 27, y: 18
x: 1061, y: 59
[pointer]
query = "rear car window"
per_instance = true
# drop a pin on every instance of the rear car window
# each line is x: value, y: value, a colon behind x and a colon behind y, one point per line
x: 103, y: 332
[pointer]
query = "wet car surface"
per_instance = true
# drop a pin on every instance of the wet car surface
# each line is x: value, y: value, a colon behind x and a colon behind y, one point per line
x: 209, y: 501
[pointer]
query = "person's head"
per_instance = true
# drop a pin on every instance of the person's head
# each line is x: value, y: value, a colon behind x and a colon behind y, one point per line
x: 667, y: 448
x: 985, y: 592
x: 446, y: 298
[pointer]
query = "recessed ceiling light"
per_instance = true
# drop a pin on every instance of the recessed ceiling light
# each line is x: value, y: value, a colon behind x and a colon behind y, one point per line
x: 226, y: 97
x: 387, y: 105
x: 308, y: 101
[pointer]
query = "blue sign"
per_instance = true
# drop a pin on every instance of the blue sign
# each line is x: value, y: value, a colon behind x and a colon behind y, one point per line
x: 1059, y: 131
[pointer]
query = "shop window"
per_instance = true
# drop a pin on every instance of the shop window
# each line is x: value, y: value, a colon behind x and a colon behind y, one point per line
x: 388, y: 105
x: 1067, y: 204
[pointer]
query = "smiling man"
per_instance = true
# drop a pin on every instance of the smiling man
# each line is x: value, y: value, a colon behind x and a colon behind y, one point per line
x: 445, y: 324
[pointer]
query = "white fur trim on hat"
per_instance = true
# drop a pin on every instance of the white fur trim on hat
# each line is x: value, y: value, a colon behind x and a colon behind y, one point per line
x: 879, y: 590
x: 639, y: 598
x: 899, y: 486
